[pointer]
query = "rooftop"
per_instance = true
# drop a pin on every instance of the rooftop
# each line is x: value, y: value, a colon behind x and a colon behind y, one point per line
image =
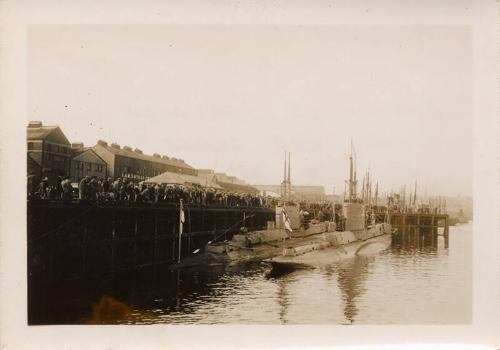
x: 37, y: 131
x: 137, y: 154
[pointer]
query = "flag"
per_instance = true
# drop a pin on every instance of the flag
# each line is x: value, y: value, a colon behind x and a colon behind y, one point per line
x: 181, y: 217
x: 181, y: 223
x: 286, y: 221
x: 183, y: 220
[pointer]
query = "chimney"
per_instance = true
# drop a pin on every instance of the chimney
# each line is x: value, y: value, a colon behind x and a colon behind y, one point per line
x: 137, y: 150
x: 127, y: 148
x: 156, y: 155
x: 77, y: 145
x: 35, y: 124
x: 115, y: 145
x: 102, y: 143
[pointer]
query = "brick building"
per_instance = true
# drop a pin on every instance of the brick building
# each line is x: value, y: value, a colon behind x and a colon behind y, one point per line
x: 132, y: 163
x: 49, y: 151
x: 227, y: 182
x: 86, y: 162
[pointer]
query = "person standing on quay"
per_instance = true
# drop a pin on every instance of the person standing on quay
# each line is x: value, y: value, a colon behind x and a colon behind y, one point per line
x: 33, y: 184
x: 82, y: 188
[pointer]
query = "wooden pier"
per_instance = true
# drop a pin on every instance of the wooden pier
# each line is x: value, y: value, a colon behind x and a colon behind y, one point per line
x: 423, y: 222
x: 73, y: 240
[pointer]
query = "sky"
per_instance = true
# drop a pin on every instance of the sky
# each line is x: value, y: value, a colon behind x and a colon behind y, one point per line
x: 235, y: 97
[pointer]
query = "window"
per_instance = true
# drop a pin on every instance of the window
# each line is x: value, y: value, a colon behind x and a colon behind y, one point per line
x: 57, y: 148
x: 98, y: 168
x: 77, y: 165
x: 31, y: 145
x: 49, y: 147
x: 89, y: 166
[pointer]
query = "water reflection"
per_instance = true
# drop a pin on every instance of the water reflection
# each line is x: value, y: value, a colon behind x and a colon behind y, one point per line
x: 351, y: 275
x: 416, y: 274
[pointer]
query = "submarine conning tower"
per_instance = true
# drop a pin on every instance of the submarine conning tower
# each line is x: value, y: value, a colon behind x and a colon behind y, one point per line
x: 353, y: 209
x: 354, y: 213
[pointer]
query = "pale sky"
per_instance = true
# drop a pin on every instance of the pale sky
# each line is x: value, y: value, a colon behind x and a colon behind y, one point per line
x: 234, y: 98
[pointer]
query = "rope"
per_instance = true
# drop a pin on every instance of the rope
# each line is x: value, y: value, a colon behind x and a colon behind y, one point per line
x: 231, y: 227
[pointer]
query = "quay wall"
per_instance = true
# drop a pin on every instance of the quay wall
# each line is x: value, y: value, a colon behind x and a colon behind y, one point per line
x: 72, y: 240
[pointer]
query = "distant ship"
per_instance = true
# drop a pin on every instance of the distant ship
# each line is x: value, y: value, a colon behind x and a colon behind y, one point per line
x: 460, y: 219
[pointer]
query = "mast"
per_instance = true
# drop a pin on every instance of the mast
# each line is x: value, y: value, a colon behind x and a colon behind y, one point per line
x: 351, y: 178
x: 368, y: 188
x: 284, y: 170
x: 415, y: 194
x: 355, y: 179
x: 363, y: 191
x: 283, y: 184
x: 289, y: 182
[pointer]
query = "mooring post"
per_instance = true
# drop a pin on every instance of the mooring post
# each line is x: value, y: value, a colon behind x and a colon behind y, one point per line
x: 434, y: 224
x: 113, y: 239
x: 174, y: 243
x: 215, y: 224
x: 190, y: 229
x: 226, y: 218
x: 446, y: 233
x: 155, y: 246
x: 84, y: 245
x: 135, y: 237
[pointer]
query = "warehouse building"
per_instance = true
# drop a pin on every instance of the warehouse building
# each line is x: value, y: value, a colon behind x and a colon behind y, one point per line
x: 227, y: 182
x: 133, y: 164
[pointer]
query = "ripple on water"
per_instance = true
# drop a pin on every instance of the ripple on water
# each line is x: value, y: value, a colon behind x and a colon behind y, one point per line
x: 398, y: 286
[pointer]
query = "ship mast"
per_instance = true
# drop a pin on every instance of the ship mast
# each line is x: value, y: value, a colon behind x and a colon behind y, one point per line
x: 352, y: 175
x: 289, y: 181
x: 415, y: 194
x: 283, y: 184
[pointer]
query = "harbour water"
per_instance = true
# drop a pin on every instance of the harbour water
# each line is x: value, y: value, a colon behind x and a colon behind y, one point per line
x: 415, y: 281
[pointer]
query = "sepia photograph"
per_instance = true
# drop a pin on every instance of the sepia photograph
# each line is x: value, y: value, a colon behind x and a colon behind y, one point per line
x: 249, y: 174
x: 257, y: 165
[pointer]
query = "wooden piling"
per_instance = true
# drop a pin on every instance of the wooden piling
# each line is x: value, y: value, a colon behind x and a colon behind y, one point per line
x: 447, y: 232
x: 113, y: 239
x: 84, y: 245
x: 155, y: 244
x: 135, y: 236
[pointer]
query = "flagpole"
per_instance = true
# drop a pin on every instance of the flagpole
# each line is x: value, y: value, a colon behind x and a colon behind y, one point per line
x: 181, y: 221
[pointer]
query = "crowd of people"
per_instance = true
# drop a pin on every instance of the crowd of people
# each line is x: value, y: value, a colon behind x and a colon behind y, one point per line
x: 124, y: 190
